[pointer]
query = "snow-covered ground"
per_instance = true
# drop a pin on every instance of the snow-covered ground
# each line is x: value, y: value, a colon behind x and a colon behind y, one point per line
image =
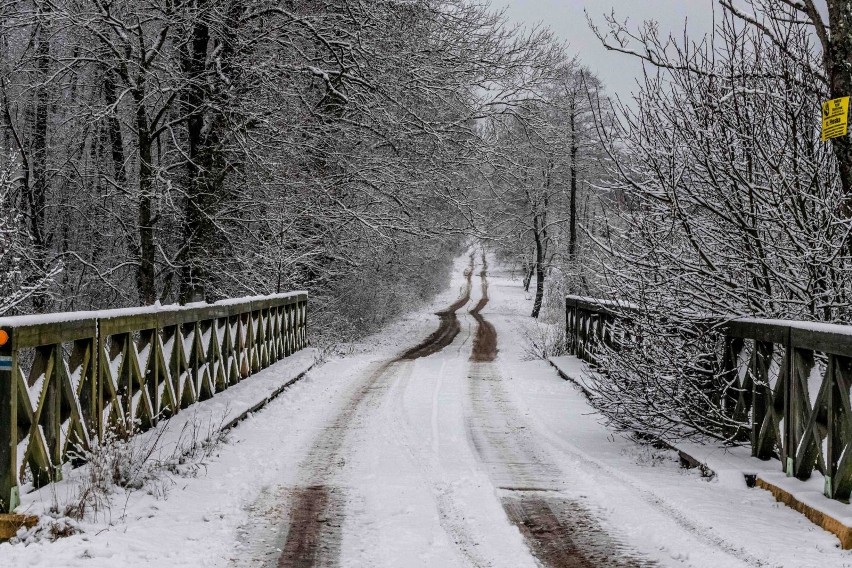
x: 438, y: 461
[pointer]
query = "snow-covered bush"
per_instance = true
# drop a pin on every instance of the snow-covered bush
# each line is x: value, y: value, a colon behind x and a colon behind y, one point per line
x: 545, y: 340
x: 664, y: 380
x: 732, y: 206
x: 117, y: 462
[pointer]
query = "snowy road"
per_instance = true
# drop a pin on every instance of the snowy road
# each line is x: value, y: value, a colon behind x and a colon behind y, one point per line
x: 437, y: 443
x: 456, y: 452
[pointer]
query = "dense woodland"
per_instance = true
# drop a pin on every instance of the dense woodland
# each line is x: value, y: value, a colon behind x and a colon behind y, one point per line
x: 181, y: 151
x: 190, y: 151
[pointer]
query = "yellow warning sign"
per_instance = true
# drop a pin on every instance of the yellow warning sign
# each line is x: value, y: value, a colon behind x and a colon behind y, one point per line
x: 835, y: 118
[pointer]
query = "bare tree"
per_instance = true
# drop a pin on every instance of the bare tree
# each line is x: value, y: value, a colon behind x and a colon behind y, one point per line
x: 732, y: 206
x: 544, y: 158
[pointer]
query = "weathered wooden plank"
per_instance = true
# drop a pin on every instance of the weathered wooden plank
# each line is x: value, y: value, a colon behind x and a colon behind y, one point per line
x: 760, y: 331
x: 836, y: 342
x: 37, y: 335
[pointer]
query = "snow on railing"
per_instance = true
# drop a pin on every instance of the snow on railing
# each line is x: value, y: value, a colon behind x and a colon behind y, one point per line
x: 791, y: 382
x: 66, y: 378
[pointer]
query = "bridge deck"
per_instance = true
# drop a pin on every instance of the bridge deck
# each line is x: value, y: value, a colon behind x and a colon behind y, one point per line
x: 441, y: 448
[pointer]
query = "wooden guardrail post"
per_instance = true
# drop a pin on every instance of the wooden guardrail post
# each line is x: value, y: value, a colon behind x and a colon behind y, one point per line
x: 788, y: 437
x: 9, y: 496
x: 839, y: 423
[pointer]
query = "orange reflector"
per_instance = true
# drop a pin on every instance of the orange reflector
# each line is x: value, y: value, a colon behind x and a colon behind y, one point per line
x: 4, y: 337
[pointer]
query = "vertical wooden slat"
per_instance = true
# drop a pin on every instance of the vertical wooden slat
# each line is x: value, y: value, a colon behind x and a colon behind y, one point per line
x: 574, y: 330
x: 788, y: 435
x: 150, y: 372
x: 102, y: 369
x: 300, y: 307
x: 233, y: 364
x: 242, y: 344
x: 299, y: 326
x: 287, y: 330
x: 50, y: 414
x: 830, y: 462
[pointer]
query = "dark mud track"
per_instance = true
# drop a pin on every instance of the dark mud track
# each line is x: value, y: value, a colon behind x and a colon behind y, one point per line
x: 485, y: 340
x: 562, y: 534
x: 449, y: 326
x: 559, y: 532
x: 313, y: 535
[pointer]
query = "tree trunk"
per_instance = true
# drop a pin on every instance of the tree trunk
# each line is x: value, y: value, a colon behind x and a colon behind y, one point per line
x: 837, y: 55
x: 145, y: 270
x: 36, y: 193
x: 205, y: 102
x: 530, y: 270
x: 539, y: 269
x: 197, y: 229
x: 540, y: 236
x: 572, y: 223
x: 117, y: 152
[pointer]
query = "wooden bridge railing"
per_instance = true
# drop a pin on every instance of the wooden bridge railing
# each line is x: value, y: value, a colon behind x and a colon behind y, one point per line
x: 790, y: 382
x: 591, y: 323
x: 66, y: 378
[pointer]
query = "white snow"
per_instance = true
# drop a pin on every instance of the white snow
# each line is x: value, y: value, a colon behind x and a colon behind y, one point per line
x: 416, y: 493
x: 63, y: 317
x: 602, y: 302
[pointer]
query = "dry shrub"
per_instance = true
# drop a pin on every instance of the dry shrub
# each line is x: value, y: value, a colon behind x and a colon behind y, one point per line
x: 544, y: 340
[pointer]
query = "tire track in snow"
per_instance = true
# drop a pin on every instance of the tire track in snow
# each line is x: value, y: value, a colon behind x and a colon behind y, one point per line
x: 449, y: 326
x: 485, y: 342
x: 450, y: 517
x: 317, y: 509
x: 316, y: 514
x: 699, y: 532
x: 559, y: 532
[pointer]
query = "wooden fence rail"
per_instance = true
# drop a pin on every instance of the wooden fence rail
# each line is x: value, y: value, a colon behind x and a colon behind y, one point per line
x: 65, y: 379
x: 789, y: 382
x: 591, y: 323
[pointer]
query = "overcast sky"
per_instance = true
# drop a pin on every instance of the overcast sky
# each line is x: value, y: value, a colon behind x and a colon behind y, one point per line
x: 567, y: 20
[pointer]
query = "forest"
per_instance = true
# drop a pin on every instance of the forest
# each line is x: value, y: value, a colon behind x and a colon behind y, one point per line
x: 180, y: 151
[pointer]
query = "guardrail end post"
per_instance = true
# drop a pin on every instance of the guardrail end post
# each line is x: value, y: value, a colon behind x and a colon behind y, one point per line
x: 9, y: 495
